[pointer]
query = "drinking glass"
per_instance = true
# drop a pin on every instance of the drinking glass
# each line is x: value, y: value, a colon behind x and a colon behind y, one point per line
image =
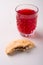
x: 26, y: 19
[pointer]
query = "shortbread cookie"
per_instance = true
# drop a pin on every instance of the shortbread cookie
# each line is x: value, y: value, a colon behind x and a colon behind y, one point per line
x: 19, y: 45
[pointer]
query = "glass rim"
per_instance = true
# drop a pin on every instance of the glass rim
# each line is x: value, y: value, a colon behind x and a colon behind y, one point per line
x: 28, y: 5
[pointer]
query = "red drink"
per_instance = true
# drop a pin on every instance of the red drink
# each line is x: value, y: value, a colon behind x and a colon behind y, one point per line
x: 26, y: 20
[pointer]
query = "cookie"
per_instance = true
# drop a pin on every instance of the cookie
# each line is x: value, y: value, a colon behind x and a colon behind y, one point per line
x: 19, y: 45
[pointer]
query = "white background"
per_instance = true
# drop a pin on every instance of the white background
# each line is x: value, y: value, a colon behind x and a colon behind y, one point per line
x: 9, y: 32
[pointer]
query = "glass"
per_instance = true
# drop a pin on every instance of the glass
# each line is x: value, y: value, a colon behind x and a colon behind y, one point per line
x: 26, y: 18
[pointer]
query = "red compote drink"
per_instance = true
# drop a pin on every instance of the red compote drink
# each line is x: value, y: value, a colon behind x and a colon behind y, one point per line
x: 26, y: 20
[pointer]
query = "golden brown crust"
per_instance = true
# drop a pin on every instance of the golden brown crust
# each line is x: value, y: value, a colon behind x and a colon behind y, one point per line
x: 19, y: 43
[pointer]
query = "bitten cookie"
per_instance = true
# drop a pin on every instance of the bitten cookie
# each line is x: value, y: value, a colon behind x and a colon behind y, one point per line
x: 19, y: 45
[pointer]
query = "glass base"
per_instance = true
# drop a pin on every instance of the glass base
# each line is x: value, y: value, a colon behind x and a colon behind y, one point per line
x: 27, y: 35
